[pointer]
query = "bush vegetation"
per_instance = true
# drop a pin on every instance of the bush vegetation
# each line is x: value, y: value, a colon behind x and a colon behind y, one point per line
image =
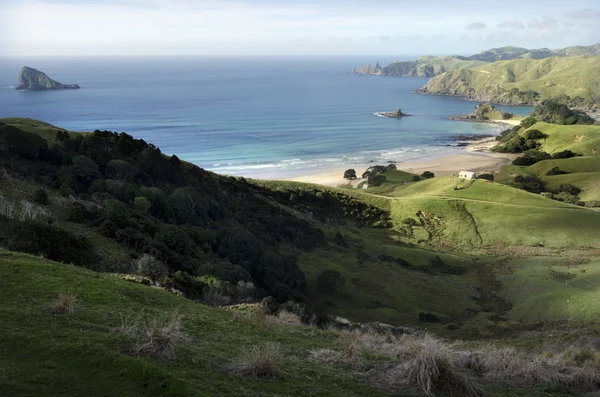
x: 171, y: 215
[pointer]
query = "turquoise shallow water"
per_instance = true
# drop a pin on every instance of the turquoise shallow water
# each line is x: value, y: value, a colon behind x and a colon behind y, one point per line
x: 246, y: 116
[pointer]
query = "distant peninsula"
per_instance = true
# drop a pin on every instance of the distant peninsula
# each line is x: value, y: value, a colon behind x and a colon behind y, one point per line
x: 398, y: 114
x: 33, y: 80
x: 430, y: 66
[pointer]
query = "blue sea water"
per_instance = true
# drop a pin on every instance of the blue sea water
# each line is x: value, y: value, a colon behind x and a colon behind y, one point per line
x: 257, y: 117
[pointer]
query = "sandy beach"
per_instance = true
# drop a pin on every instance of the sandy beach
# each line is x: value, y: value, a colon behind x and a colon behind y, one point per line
x: 475, y: 157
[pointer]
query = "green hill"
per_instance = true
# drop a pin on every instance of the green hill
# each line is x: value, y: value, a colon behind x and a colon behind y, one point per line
x: 429, y: 66
x: 581, y: 139
x: 523, y: 81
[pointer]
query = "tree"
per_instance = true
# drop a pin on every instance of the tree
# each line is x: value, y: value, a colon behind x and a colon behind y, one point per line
x: 529, y: 183
x: 350, y: 174
x: 330, y: 280
x: 428, y: 174
x: 376, y: 180
x: 120, y: 169
x: 528, y: 122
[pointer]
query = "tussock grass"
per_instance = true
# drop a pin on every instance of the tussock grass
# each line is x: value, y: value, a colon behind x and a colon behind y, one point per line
x: 129, y: 326
x: 430, y: 368
x: 259, y: 362
x: 160, y: 336
x: 422, y: 362
x: 284, y: 317
x: 64, y: 304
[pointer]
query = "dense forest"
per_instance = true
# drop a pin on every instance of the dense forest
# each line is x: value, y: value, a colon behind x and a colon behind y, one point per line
x: 176, y: 222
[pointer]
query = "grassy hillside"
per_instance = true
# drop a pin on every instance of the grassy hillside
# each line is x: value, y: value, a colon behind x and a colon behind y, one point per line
x: 429, y: 66
x: 581, y: 139
x: 93, y: 348
x: 523, y: 81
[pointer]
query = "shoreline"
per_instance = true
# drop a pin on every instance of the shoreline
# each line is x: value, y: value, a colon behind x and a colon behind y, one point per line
x: 475, y: 157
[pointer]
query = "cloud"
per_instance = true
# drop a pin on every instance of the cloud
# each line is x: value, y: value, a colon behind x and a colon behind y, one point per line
x: 583, y: 14
x: 544, y: 24
x: 476, y: 25
x: 512, y: 25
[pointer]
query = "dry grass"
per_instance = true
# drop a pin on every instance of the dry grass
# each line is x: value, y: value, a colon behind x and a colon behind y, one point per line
x: 129, y: 326
x: 64, y: 304
x: 160, y: 336
x: 422, y: 362
x: 284, y: 318
x: 429, y: 367
x: 509, y: 365
x: 259, y: 362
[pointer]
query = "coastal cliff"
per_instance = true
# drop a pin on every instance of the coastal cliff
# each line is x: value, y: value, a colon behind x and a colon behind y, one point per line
x: 33, y: 80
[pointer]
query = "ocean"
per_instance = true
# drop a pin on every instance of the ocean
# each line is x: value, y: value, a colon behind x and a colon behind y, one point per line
x: 256, y: 117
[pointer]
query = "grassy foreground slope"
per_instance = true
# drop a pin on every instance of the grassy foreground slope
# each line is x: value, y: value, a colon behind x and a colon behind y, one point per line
x: 522, y: 81
x: 89, y: 352
x: 80, y: 354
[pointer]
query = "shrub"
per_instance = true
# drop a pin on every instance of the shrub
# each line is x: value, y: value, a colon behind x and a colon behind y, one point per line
x: 376, y: 180
x: 41, y: 197
x: 529, y: 183
x: 415, y: 178
x: 64, y: 304
x: 427, y: 174
x: 330, y: 280
x: 215, y: 297
x: 565, y: 154
x: 160, y: 336
x: 259, y: 362
x: 534, y: 135
x: 592, y: 204
x: 570, y: 189
x: 246, y: 291
x: 556, y: 171
x: 149, y: 266
x: 528, y: 122
x: 568, y: 198
x: 350, y: 174
x: 487, y: 177
x: 524, y: 161
x: 410, y: 222
x: 285, y: 318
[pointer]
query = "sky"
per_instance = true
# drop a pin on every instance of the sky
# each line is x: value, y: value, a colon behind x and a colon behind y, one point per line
x: 290, y: 27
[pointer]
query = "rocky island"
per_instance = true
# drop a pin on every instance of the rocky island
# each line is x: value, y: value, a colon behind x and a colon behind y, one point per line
x: 484, y: 113
x: 392, y: 115
x: 33, y: 80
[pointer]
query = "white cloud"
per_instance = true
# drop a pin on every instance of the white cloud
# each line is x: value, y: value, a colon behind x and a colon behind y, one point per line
x: 476, y: 25
x: 132, y: 27
x: 512, y: 25
x: 583, y: 14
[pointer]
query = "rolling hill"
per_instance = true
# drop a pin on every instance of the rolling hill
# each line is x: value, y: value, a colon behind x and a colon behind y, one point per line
x: 429, y: 66
x: 523, y: 81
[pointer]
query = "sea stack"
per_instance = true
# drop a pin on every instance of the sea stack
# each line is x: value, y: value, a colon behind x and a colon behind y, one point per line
x: 33, y: 80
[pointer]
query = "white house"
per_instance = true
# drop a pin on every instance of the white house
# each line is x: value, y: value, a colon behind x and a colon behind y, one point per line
x: 467, y: 175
